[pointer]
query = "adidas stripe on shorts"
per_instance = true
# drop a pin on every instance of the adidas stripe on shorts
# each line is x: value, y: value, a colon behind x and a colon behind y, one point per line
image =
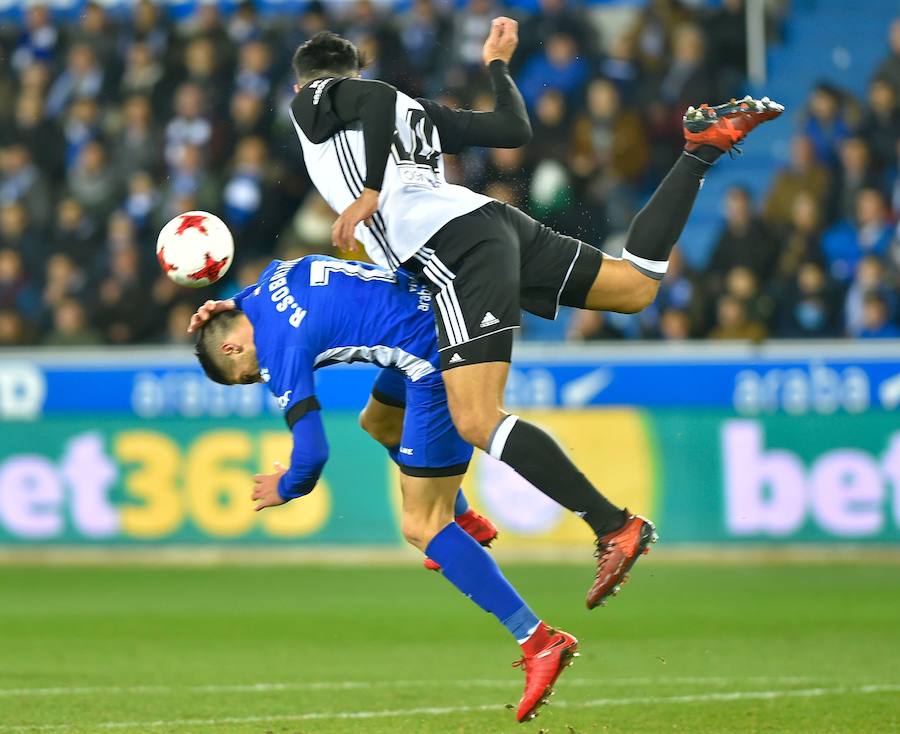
x: 483, y: 267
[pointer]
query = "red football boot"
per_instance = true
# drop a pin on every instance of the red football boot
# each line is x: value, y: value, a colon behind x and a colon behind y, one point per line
x: 727, y: 124
x: 478, y: 526
x: 546, y: 654
x: 616, y: 554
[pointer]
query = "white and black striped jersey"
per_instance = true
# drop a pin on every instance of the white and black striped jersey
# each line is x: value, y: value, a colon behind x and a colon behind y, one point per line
x: 415, y: 200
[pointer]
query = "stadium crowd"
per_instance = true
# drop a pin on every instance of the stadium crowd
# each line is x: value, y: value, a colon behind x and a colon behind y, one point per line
x: 114, y: 125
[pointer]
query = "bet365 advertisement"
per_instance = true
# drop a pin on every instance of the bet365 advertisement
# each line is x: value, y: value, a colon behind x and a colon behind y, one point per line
x: 820, y: 466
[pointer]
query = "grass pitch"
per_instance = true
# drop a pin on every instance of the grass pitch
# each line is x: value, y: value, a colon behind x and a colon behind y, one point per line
x: 290, y: 650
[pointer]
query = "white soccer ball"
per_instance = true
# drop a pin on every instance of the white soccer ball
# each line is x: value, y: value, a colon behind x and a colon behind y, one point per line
x: 195, y: 249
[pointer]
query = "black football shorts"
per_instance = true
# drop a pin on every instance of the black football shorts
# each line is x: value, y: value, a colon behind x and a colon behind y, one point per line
x: 487, y: 265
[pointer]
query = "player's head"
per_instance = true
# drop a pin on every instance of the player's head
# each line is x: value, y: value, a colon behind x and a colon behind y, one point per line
x: 226, y: 350
x: 326, y: 54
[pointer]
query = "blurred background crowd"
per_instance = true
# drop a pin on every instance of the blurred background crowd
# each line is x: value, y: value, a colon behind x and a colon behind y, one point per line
x: 115, y: 122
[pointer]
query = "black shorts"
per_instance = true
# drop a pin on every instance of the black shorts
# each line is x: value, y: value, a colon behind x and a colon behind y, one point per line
x: 487, y: 265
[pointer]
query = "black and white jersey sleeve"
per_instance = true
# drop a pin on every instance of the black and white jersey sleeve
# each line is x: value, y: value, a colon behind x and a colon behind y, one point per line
x: 415, y: 199
x: 506, y: 126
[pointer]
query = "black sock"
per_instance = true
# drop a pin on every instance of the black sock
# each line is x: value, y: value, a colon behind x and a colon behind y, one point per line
x: 657, y: 227
x: 542, y: 461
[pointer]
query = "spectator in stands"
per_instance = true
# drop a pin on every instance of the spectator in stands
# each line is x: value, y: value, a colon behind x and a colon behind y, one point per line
x: 553, y: 17
x: 92, y: 181
x: 425, y: 36
x: 13, y: 331
x: 148, y: 27
x: 80, y: 125
x: 75, y: 233
x: 733, y: 322
x: 881, y: 123
x: 190, y: 177
x: 17, y: 234
x: 96, y: 32
x: 804, y: 173
x: 560, y: 66
x: 247, y: 197
x: 143, y: 72
x: 675, y: 325
x: 825, y: 125
x: 726, y: 32
x: 876, y: 319
x: 809, y: 305
x: 688, y: 77
x: 20, y: 180
x: 871, y: 277
x: 38, y: 44
x: 656, y: 24
x: 801, y: 240
x: 83, y: 78
x: 679, y: 293
x: 847, y: 242
x: 254, y: 73
x: 615, y: 133
x: 63, y: 279
x: 745, y: 241
x: 137, y: 144
x: 853, y: 175
x: 71, y: 327
x: 121, y: 310
x: 244, y: 24
x: 189, y: 127
x: 471, y: 27
x: 620, y: 66
x: 889, y: 69
x: 16, y: 290
x: 141, y: 200
x: 39, y: 135
x: 552, y: 126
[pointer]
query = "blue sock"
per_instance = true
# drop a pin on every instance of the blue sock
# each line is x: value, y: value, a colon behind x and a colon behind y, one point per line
x: 470, y: 568
x: 462, y: 504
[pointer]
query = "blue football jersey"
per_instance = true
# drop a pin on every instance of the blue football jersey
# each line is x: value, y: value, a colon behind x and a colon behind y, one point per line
x: 317, y: 310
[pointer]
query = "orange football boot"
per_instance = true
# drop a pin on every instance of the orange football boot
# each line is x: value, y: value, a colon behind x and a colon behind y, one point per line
x: 727, y: 124
x: 616, y: 553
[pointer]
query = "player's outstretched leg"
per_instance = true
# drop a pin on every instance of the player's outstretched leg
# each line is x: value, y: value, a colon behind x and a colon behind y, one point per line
x: 546, y: 652
x: 630, y: 284
x: 382, y: 419
x: 475, y: 393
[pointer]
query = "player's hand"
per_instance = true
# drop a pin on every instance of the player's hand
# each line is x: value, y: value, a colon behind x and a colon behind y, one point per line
x: 360, y: 210
x: 265, y: 493
x: 502, y: 40
x: 205, y: 312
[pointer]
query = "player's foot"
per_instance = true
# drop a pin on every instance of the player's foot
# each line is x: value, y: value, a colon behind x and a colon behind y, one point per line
x: 547, y: 653
x: 727, y: 124
x: 616, y: 554
x: 478, y: 526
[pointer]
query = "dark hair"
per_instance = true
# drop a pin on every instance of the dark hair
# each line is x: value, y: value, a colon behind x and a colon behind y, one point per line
x: 326, y: 53
x: 211, y: 360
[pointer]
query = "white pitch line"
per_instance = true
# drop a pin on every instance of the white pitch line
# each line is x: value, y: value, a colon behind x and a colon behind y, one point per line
x: 362, y: 685
x: 439, y: 711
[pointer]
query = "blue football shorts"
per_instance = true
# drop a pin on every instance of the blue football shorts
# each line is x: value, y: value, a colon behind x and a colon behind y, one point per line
x: 431, y: 445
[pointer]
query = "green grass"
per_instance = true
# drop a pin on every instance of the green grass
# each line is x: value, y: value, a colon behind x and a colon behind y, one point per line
x: 164, y: 645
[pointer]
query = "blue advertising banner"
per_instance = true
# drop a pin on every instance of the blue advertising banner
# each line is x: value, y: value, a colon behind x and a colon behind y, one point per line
x: 807, y: 379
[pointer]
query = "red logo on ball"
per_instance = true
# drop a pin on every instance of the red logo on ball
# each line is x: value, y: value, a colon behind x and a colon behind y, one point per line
x: 191, y: 221
x: 210, y: 270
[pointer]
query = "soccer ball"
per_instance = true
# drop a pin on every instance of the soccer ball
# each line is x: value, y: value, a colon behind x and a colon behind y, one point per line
x: 195, y: 249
